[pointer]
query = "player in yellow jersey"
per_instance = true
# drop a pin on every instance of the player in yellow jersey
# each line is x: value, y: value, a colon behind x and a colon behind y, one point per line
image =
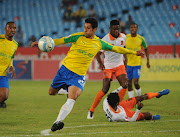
x: 8, y: 47
x: 134, y: 42
x: 72, y: 73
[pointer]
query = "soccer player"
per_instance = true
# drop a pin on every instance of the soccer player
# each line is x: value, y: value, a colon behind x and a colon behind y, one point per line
x: 8, y: 47
x: 121, y: 111
x: 113, y: 65
x: 134, y: 42
x: 71, y: 74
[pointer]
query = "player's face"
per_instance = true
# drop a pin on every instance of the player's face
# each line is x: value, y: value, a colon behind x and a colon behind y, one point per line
x: 89, y: 31
x: 115, y: 30
x: 133, y: 28
x: 10, y: 29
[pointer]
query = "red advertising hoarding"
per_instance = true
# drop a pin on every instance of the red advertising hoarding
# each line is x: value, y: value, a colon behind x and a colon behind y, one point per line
x: 45, y: 65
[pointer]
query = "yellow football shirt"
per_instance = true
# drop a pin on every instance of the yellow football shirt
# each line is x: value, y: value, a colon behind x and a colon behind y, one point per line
x: 134, y: 43
x: 7, y: 51
x: 83, y: 51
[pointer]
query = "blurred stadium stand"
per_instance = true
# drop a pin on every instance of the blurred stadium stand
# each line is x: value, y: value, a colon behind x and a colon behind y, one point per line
x: 158, y: 20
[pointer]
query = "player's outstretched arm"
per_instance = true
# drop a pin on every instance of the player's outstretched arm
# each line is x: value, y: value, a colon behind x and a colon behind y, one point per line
x: 108, y: 46
x: 34, y: 44
x: 140, y: 53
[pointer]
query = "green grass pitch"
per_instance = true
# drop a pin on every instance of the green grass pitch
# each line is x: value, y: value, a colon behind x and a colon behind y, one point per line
x: 31, y: 110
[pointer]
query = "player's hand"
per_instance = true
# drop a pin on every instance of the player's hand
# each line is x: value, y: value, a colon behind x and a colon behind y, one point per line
x: 101, y: 66
x: 11, y: 69
x: 34, y: 44
x: 148, y: 65
x: 140, y: 53
x: 140, y: 105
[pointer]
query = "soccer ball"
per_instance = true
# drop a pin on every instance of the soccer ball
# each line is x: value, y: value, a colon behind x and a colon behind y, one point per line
x: 46, y: 44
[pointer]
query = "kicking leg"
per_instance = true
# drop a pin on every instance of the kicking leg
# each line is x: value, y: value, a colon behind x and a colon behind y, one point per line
x: 73, y: 93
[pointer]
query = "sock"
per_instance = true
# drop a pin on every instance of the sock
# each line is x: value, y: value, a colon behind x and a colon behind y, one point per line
x: 131, y: 93
x: 138, y: 92
x: 122, y: 93
x: 97, y: 99
x: 62, y: 91
x: 152, y: 95
x: 65, y: 109
x: 117, y: 90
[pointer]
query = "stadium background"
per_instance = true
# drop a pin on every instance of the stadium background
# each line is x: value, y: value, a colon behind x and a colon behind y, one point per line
x: 158, y: 21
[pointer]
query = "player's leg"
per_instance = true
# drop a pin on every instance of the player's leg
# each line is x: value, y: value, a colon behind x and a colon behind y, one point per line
x: 58, y: 81
x: 151, y: 95
x: 62, y: 91
x: 75, y: 84
x: 107, y: 77
x: 53, y: 91
x: 123, y: 81
x: 121, y: 76
x: 136, y: 76
x: 130, y: 89
x: 130, y: 77
x: 99, y: 96
x: 4, y: 91
x: 73, y: 93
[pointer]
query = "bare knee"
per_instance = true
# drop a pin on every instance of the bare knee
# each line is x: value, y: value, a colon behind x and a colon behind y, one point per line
x: 105, y: 90
x: 124, y: 85
x: 136, y: 84
x: 130, y: 86
x: 52, y: 91
x: 106, y: 85
x: 141, y: 98
x: 4, y: 95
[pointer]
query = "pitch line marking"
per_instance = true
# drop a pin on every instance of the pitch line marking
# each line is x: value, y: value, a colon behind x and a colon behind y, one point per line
x: 90, y: 133
x: 46, y: 132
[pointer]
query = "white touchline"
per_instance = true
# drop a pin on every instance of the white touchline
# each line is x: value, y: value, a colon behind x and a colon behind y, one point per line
x: 46, y: 131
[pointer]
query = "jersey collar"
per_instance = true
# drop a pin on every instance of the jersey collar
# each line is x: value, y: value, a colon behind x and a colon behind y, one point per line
x: 113, y: 38
x: 114, y: 110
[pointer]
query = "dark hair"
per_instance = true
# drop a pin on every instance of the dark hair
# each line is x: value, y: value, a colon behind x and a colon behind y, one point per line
x: 134, y: 24
x: 114, y: 22
x: 113, y: 99
x: 10, y: 22
x: 92, y: 21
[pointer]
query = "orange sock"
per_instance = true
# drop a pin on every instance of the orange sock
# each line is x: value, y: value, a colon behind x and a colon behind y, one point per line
x: 122, y: 93
x: 152, y: 95
x: 97, y: 99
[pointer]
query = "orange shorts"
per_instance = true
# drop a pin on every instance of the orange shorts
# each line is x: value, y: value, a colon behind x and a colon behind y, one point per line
x: 128, y: 105
x: 108, y: 73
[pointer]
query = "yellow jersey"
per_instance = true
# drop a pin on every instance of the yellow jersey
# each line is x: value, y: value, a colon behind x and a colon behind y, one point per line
x: 7, y: 52
x: 83, y: 51
x: 134, y: 43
